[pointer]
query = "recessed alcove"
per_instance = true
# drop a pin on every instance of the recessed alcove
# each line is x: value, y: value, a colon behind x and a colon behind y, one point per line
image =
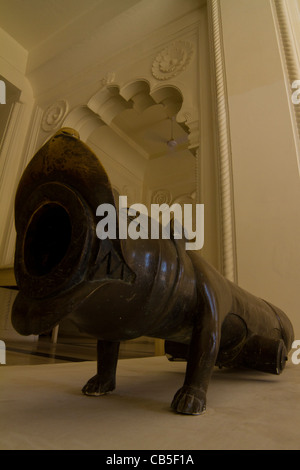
x: 140, y: 142
x: 141, y: 136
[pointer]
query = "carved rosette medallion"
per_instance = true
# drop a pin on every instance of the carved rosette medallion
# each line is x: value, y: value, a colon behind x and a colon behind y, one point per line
x: 54, y: 115
x: 172, y: 60
x: 161, y: 196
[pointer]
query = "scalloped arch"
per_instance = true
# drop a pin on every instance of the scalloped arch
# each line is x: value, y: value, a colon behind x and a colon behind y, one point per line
x: 112, y: 99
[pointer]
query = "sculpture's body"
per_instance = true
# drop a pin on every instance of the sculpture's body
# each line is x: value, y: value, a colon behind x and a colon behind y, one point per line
x: 117, y: 290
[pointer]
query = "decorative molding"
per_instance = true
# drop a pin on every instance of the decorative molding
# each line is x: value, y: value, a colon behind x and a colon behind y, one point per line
x: 9, y: 149
x: 161, y: 196
x: 191, y: 119
x: 83, y: 120
x: 54, y: 115
x: 8, y: 240
x: 108, y: 79
x: 169, y: 96
x: 138, y: 92
x: 172, y: 60
x: 107, y: 104
x: 199, y: 176
x: 290, y: 59
x: 186, y: 198
x: 223, y: 143
x: 33, y: 135
x: 9, y: 139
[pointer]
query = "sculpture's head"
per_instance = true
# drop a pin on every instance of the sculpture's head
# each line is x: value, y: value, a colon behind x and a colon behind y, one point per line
x: 57, y: 250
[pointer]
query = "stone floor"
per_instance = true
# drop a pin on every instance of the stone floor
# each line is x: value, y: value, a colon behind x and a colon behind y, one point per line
x: 68, y: 349
x: 42, y: 407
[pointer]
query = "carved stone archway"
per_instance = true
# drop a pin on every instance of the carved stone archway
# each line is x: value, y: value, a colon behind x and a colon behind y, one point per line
x: 110, y: 100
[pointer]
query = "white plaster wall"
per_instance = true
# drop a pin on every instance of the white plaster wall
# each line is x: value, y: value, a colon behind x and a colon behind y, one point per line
x: 265, y: 173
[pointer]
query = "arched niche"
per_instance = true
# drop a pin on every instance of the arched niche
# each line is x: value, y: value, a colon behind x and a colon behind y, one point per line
x: 111, y: 100
x: 135, y: 132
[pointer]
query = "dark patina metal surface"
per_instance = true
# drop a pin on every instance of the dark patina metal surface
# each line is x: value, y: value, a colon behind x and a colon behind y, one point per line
x: 122, y: 289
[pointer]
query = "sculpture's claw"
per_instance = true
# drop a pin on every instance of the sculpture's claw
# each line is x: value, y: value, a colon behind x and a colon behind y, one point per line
x: 95, y: 386
x: 189, y: 400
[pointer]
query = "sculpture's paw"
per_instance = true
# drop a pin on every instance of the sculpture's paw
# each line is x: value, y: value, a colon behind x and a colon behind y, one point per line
x: 96, y: 387
x: 189, y: 400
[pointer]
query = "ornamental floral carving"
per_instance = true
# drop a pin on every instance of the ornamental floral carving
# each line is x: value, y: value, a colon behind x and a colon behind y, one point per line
x: 161, y: 196
x: 108, y: 79
x: 172, y: 60
x: 54, y: 115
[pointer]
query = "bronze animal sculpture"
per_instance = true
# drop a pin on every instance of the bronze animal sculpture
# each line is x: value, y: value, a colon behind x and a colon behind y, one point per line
x: 121, y: 289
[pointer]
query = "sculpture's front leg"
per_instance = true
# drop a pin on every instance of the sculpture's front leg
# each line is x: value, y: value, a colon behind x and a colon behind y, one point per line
x: 203, y: 350
x: 105, y: 379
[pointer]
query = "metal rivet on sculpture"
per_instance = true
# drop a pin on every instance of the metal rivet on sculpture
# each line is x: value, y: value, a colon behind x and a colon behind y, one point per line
x: 121, y: 289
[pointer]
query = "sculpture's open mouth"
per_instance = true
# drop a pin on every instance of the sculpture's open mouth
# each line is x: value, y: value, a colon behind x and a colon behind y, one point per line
x: 52, y: 255
x: 55, y: 242
x: 58, y: 255
x: 47, y: 239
